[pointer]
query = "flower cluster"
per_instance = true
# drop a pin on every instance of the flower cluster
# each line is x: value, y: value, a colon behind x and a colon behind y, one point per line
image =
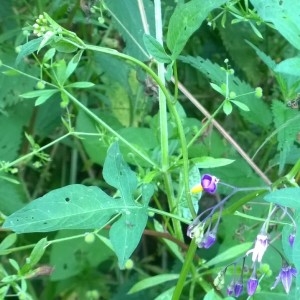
x: 203, y: 230
x: 41, y: 26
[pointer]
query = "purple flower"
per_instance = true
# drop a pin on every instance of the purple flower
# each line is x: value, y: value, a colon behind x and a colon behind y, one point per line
x: 238, y: 288
x: 286, y: 276
x: 208, y: 240
x: 260, y: 247
x: 209, y: 183
x: 230, y: 289
x: 252, y: 285
x: 292, y: 239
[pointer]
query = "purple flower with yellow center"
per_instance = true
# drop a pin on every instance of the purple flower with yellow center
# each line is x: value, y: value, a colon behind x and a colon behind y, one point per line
x: 208, y: 184
x: 260, y: 247
x: 286, y: 277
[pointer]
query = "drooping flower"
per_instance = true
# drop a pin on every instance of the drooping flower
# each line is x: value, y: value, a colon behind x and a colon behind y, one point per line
x: 260, y: 247
x: 252, y: 285
x: 208, y: 240
x: 238, y: 288
x: 292, y: 239
x: 230, y: 288
x: 286, y: 276
x: 235, y: 288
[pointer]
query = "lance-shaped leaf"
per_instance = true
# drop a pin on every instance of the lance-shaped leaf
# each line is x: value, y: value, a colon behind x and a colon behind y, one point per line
x: 81, y: 207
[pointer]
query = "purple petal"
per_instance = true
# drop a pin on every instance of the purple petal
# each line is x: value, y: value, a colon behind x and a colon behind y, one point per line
x: 292, y: 239
x: 208, y: 241
x: 238, y: 289
x: 252, y: 285
x: 209, y: 183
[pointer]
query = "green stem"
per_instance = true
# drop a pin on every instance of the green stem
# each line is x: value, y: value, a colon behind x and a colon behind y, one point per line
x: 293, y: 172
x: 29, y: 155
x: 205, y: 125
x: 102, y: 123
x: 169, y: 215
x: 185, y: 270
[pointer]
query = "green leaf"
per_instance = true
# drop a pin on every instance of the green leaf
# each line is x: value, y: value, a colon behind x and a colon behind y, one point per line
x: 39, y: 93
x: 288, y: 197
x: 240, y: 105
x: 287, y: 126
x: 284, y: 16
x: 217, y: 88
x: 166, y: 295
x: 127, y: 19
x: 194, y: 179
x: 47, y: 38
x: 49, y: 55
x: 212, y: 295
x: 205, y: 162
x: 80, y: 85
x: 185, y: 20
x: 289, y: 66
x: 43, y: 98
x: 62, y: 45
x: 35, y: 255
x: 126, y: 232
x: 64, y: 255
x: 80, y: 207
x: 229, y: 254
x: 264, y: 57
x: 28, y: 48
x: 72, y: 65
x: 156, y: 49
x: 227, y: 107
x: 8, y: 242
x: 152, y: 281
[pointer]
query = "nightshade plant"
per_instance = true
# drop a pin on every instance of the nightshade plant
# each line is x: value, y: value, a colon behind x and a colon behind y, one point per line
x: 112, y: 182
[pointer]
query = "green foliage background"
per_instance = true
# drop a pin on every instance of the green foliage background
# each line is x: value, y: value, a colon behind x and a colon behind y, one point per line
x: 108, y: 125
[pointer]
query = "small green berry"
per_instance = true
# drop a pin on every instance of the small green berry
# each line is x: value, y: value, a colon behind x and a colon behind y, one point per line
x: 151, y: 214
x: 101, y: 20
x: 89, y: 238
x: 232, y: 95
x: 258, y: 92
x: 40, y: 85
x: 18, y: 49
x: 129, y: 264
